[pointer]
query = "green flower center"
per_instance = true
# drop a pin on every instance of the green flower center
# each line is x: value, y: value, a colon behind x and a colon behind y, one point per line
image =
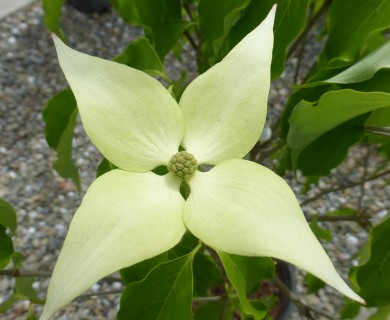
x: 183, y: 165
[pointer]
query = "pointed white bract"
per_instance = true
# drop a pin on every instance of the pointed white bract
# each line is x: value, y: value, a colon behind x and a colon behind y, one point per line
x: 130, y: 215
x: 124, y: 218
x: 225, y: 107
x: 243, y: 208
x: 130, y: 117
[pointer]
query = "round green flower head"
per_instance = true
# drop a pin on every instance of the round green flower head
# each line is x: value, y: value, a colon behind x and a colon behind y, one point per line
x: 183, y: 165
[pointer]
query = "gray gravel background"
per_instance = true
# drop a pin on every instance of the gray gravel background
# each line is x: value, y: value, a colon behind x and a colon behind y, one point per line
x: 45, y: 203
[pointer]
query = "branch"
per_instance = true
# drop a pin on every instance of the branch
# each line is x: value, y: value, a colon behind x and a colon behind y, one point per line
x: 299, y: 62
x: 350, y: 217
x: 194, y: 45
x: 191, y: 41
x: 16, y: 273
x: 96, y: 294
x: 364, y: 177
x: 353, y: 184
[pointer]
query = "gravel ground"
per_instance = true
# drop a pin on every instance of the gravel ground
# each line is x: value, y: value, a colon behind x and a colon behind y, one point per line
x: 45, y: 202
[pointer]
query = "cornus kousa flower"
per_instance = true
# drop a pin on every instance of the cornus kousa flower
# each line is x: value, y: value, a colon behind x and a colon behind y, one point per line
x: 131, y: 214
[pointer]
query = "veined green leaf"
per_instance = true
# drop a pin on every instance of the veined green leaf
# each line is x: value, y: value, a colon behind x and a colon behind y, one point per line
x: 373, y: 277
x: 139, y: 271
x: 216, y: 18
x: 206, y: 274
x: 350, y: 310
x: 349, y: 24
x: 166, y: 292
x: 60, y: 115
x: 310, y: 120
x: 141, y: 55
x: 64, y: 164
x: 52, y: 16
x: 219, y: 310
x: 232, y: 265
x: 328, y: 150
x: 366, y: 67
x: 362, y: 70
x: 161, y: 20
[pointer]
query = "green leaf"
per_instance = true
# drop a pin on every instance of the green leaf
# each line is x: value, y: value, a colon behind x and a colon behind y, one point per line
x: 8, y: 216
x: 206, y: 274
x: 166, y: 292
x: 141, y: 55
x: 299, y: 94
x: 64, y: 164
x: 237, y: 269
x: 216, y: 18
x: 6, y: 247
x: 17, y: 260
x: 187, y: 244
x: 366, y: 67
x: 377, y: 126
x: 23, y: 290
x: 310, y: 120
x: 342, y: 212
x: 330, y: 149
x: 289, y: 22
x: 373, y: 277
x: 220, y: 310
x: 103, y: 167
x: 60, y: 116
x: 52, y: 16
x: 379, y: 118
x: 350, y: 310
x: 362, y: 70
x: 349, y: 24
x: 203, y: 269
x: 161, y: 20
x: 140, y: 270
x: 4, y: 306
x: 313, y: 283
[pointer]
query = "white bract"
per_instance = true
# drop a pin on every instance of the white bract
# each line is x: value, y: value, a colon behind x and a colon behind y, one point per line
x: 131, y: 214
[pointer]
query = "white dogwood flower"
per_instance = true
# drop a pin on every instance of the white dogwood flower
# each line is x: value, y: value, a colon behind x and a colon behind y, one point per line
x: 131, y: 214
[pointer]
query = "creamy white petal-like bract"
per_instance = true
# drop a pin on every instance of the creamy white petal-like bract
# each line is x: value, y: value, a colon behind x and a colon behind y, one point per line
x: 124, y: 218
x: 225, y: 108
x: 243, y: 208
x: 130, y: 117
